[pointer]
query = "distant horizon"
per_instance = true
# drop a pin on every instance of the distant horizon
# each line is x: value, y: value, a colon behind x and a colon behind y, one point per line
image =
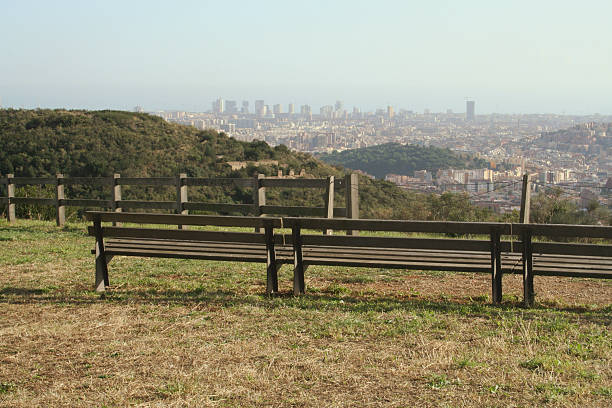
x: 315, y: 109
x: 519, y: 57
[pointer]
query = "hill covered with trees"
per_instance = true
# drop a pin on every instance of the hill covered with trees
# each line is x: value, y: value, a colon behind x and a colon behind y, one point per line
x: 37, y: 143
x: 401, y: 159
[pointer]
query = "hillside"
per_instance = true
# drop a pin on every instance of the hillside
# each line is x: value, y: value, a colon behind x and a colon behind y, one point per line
x: 401, y: 159
x: 35, y: 143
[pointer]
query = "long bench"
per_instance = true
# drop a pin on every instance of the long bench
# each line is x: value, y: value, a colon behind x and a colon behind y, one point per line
x: 152, y: 241
x: 403, y: 252
x: 518, y: 254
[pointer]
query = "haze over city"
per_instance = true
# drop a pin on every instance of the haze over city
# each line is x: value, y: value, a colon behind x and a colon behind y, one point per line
x: 515, y: 57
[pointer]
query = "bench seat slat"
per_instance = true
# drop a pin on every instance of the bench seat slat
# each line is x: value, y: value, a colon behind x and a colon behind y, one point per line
x: 429, y: 266
x: 187, y: 255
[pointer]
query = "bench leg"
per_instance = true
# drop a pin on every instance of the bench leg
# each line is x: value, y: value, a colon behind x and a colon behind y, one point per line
x: 299, y: 287
x: 272, y: 278
x: 496, y: 268
x: 101, y: 271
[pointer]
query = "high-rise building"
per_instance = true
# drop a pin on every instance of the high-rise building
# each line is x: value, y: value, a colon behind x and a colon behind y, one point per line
x: 218, y: 106
x: 339, y: 105
x: 231, y: 107
x: 390, y: 112
x: 276, y: 109
x: 245, y: 107
x: 291, y: 109
x: 470, y: 113
x: 305, y: 110
x: 259, y: 107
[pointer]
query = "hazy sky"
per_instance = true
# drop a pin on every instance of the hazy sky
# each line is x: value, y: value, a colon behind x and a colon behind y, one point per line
x: 519, y: 56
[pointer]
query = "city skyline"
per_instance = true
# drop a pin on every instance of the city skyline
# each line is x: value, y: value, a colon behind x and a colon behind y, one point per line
x: 519, y: 57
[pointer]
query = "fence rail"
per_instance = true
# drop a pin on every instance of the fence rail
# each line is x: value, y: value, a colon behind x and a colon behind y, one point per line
x: 182, y: 205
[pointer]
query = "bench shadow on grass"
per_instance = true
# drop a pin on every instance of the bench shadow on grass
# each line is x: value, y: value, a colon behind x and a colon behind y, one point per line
x: 309, y: 301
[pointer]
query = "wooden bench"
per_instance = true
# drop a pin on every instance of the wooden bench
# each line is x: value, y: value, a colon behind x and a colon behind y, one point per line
x: 438, y: 254
x: 519, y: 255
x: 186, y: 244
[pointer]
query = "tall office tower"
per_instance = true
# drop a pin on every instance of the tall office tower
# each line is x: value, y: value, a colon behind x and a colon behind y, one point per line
x: 231, y: 107
x: 291, y: 109
x: 245, y: 107
x: 338, y: 106
x: 469, y: 110
x: 259, y: 107
x: 326, y: 111
x: 218, y: 106
x: 390, y: 112
x: 276, y: 109
x: 305, y: 110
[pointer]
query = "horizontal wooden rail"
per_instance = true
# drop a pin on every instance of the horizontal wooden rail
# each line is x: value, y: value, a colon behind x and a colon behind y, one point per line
x: 220, y: 207
x: 147, y: 181
x: 293, y: 183
x: 86, y: 203
x: 154, y: 205
x: 180, y: 219
x: 96, y: 181
x: 208, y: 182
x: 224, y: 236
x: 399, y: 226
x: 34, y: 180
x: 563, y: 230
x: 32, y: 201
x: 396, y: 242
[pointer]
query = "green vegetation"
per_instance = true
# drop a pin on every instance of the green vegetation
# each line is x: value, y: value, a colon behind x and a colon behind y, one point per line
x: 37, y: 143
x: 196, y: 333
x: 401, y: 159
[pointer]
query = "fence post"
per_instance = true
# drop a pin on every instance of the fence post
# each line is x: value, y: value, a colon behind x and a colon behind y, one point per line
x: 10, y: 193
x: 116, y: 195
x: 525, y: 199
x: 528, y: 290
x: 351, y: 183
x: 329, y: 202
x: 60, y: 218
x: 181, y: 196
x: 259, y: 197
x: 496, y: 270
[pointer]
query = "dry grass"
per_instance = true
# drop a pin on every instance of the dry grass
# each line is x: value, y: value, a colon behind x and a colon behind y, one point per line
x: 193, y: 333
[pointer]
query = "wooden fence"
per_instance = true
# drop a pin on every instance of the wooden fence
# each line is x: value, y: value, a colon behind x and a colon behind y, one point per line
x: 182, y: 205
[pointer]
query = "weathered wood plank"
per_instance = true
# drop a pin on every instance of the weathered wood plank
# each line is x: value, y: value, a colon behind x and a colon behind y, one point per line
x: 33, y: 201
x: 209, y: 182
x: 224, y: 236
x: 175, y: 219
x: 572, y: 249
x: 398, y: 226
x: 396, y: 242
x: 293, y: 183
x: 96, y: 181
x: 159, y: 205
x: 220, y: 207
x: 70, y: 202
x: 292, y: 210
x: 34, y: 180
x: 427, y: 266
x: 188, y: 255
x: 147, y: 181
x: 562, y: 230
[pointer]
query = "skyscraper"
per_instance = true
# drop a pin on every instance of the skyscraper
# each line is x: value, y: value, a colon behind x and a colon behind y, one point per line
x: 245, y: 107
x: 291, y: 109
x: 259, y: 107
x: 470, y: 114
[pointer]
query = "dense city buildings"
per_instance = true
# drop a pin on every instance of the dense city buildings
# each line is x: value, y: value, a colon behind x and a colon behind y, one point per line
x: 565, y: 151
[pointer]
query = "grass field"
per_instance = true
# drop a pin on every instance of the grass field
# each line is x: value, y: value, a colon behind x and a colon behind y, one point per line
x: 195, y: 333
